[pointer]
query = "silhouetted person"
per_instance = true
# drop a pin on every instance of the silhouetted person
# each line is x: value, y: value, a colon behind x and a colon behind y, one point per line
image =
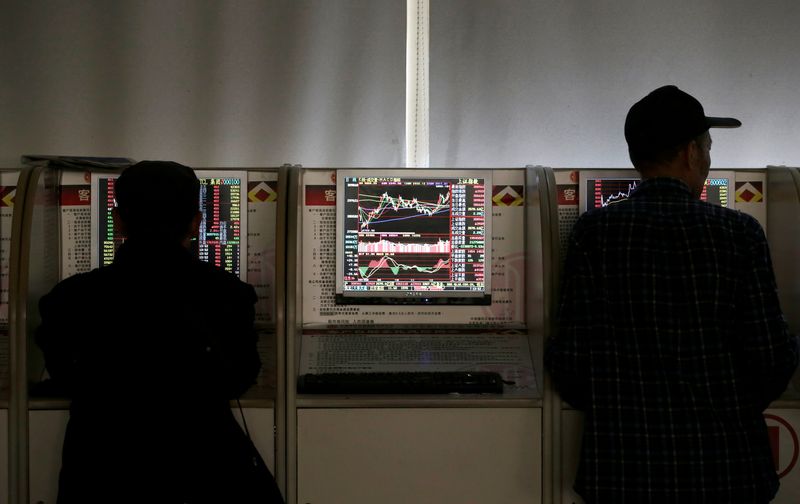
x: 670, y: 335
x: 151, y: 349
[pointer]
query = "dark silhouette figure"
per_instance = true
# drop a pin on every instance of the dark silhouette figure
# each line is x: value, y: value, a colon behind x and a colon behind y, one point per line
x: 670, y: 335
x: 151, y: 349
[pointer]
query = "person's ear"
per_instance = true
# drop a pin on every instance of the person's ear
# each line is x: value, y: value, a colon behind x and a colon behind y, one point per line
x: 119, y: 225
x: 694, y: 153
x: 688, y: 156
x: 195, y: 226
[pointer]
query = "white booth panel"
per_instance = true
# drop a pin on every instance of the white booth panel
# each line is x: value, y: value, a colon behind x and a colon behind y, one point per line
x: 261, y: 425
x: 47, y: 429
x: 425, y: 455
x: 783, y: 426
x: 571, y: 433
x: 3, y: 453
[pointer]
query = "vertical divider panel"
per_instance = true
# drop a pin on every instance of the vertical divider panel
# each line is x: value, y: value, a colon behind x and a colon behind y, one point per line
x: 24, y: 221
x: 545, y: 225
x: 18, y: 409
x: 281, y: 303
x: 293, y: 233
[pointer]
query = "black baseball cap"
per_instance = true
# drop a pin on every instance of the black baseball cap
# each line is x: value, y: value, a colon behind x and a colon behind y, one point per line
x: 667, y: 118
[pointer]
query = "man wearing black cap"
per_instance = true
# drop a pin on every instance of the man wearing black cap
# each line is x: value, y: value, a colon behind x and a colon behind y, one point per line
x: 670, y: 336
x: 151, y: 349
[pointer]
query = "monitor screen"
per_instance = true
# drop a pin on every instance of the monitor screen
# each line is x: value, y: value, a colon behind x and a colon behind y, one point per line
x: 607, y: 187
x: 413, y: 236
x: 109, y: 239
x: 222, y: 237
x: 601, y: 192
x: 715, y: 190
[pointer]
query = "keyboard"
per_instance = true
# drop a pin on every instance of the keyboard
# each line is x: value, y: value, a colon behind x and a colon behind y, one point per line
x: 427, y: 382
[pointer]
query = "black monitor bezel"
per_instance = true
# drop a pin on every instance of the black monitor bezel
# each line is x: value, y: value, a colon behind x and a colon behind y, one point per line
x: 413, y: 297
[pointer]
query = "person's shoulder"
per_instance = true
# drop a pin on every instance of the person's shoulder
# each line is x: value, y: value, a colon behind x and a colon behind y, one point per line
x: 749, y: 225
x: 740, y: 220
x: 589, y: 226
x: 77, y: 288
x: 223, y: 280
x: 600, y: 216
x: 85, y: 280
x: 745, y: 219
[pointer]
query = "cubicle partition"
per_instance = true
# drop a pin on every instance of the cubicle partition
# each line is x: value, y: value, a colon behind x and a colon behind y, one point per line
x: 783, y: 213
x: 783, y: 234
x: 65, y: 220
x: 516, y: 444
x: 37, y: 271
x: 408, y: 445
x: 770, y: 195
x: 12, y: 182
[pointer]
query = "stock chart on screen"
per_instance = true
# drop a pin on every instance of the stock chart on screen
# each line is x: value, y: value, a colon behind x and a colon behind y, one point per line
x: 221, y: 238
x: 605, y: 191
x: 415, y: 236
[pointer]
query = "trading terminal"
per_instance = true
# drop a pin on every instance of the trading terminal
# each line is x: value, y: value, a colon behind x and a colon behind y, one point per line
x: 67, y: 226
x: 416, y: 307
x: 405, y: 272
x: 393, y: 329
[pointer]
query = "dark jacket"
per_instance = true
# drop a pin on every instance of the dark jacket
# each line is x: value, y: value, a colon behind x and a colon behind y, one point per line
x: 151, y: 349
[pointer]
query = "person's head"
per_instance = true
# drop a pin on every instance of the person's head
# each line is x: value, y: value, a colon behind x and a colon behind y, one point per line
x: 667, y: 135
x: 157, y: 200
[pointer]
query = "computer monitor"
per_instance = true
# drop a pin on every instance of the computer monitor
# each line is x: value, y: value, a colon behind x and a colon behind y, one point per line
x: 607, y: 187
x: 413, y: 236
x: 222, y: 239
x: 718, y: 188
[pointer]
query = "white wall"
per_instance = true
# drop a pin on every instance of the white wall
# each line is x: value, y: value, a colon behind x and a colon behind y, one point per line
x: 550, y: 81
x: 321, y: 82
x: 207, y: 83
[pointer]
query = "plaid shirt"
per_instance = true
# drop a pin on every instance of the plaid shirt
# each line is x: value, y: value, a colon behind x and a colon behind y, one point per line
x: 672, y: 341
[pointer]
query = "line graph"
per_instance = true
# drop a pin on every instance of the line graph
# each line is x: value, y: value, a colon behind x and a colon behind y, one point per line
x: 397, y: 267
x: 413, y: 234
x: 604, y: 192
x: 385, y: 202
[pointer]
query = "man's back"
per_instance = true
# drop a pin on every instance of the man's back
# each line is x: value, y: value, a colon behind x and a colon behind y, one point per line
x: 672, y: 340
x: 151, y: 349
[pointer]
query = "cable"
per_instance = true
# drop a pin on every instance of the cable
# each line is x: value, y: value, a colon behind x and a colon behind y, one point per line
x: 244, y: 422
